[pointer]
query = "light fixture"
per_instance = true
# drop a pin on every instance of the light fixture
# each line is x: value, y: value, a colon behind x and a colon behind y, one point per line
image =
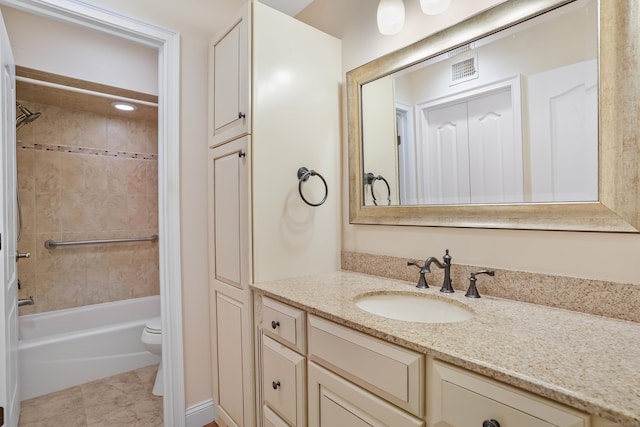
x: 124, y: 106
x: 434, y: 7
x: 390, y: 16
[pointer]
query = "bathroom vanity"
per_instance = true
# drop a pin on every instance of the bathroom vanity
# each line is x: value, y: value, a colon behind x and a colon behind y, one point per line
x: 323, y: 361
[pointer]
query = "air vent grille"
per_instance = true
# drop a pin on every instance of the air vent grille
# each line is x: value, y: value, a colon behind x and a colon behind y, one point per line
x: 464, y: 70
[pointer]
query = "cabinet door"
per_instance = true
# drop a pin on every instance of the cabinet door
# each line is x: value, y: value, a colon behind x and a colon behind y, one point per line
x: 231, y: 368
x: 229, y: 214
x: 231, y: 309
x: 334, y: 401
x: 229, y: 81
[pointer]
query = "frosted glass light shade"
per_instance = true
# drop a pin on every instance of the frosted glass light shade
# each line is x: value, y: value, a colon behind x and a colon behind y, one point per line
x: 390, y: 16
x: 434, y: 7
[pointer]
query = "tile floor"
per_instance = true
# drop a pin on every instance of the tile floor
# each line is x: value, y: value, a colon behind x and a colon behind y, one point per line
x: 124, y: 400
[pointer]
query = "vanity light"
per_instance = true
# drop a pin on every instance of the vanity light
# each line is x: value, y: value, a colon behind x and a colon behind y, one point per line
x: 434, y: 7
x: 124, y: 106
x: 390, y: 16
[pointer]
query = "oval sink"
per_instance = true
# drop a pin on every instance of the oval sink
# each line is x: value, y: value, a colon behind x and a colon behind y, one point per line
x: 413, y: 308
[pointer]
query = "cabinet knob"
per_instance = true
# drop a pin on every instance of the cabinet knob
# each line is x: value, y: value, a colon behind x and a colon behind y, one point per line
x: 274, y: 324
x: 276, y: 384
x: 490, y: 423
x: 241, y: 115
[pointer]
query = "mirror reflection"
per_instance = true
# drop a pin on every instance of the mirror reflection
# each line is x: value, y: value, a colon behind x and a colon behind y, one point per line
x: 510, y: 118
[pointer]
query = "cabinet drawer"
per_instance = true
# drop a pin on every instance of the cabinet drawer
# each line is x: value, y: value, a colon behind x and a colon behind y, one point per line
x: 283, y: 381
x: 460, y: 398
x: 392, y: 372
x: 333, y: 401
x: 283, y: 323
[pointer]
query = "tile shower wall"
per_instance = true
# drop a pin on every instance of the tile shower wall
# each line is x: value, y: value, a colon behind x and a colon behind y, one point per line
x: 82, y: 176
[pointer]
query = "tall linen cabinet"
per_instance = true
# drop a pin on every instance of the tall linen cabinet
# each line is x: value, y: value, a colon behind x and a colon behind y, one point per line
x: 274, y: 107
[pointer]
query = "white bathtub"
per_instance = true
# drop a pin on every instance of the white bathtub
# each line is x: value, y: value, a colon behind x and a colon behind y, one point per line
x: 64, y: 348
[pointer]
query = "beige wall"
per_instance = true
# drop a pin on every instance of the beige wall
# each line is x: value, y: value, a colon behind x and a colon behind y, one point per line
x: 83, y: 176
x: 602, y: 256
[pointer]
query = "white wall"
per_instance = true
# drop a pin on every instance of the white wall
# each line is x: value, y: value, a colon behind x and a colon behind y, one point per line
x: 45, y: 44
x: 602, y: 256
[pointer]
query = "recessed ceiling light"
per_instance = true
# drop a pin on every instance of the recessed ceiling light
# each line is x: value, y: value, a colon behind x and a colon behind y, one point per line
x: 124, y: 106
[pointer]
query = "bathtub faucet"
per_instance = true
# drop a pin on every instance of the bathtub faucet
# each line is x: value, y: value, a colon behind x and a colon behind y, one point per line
x: 26, y: 301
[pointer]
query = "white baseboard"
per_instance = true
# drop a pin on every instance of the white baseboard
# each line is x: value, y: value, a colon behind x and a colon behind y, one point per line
x: 201, y: 414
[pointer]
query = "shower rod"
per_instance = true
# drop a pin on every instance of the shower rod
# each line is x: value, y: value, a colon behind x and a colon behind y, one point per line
x: 52, y: 244
x: 85, y: 91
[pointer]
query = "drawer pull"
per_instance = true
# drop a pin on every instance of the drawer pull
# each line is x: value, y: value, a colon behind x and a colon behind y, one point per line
x: 276, y: 384
x: 275, y: 324
x: 490, y: 423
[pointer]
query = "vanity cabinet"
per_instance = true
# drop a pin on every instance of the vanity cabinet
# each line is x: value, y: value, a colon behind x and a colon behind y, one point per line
x: 356, y: 380
x: 274, y: 98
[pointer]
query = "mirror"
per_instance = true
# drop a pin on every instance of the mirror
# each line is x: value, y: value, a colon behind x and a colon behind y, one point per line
x: 506, y: 120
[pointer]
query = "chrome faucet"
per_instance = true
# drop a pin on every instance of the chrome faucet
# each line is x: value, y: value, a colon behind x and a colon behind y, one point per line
x: 426, y: 268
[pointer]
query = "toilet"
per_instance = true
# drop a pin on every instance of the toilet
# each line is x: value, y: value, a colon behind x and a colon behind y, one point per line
x: 152, y: 340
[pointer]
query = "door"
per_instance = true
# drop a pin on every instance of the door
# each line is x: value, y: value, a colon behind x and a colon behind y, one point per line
x: 471, y: 148
x: 445, y: 156
x: 9, y: 401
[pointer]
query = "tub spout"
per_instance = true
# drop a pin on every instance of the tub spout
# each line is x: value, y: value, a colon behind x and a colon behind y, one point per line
x: 26, y: 301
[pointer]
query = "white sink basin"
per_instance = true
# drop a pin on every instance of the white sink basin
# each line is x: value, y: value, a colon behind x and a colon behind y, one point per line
x: 413, y: 308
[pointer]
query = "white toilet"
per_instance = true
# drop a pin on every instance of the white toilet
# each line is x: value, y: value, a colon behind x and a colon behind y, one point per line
x: 152, y: 340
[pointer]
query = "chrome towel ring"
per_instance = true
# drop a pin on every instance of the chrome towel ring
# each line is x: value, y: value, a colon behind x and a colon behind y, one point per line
x: 370, y: 178
x: 303, y: 175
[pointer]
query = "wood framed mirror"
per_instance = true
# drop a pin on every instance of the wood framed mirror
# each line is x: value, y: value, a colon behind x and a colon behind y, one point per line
x: 613, y: 200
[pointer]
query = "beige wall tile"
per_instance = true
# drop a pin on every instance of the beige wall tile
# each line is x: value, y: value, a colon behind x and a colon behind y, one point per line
x: 47, y: 214
x: 79, y: 196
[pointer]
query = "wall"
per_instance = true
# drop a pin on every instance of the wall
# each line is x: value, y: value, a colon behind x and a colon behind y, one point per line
x: 81, y: 176
x: 601, y: 256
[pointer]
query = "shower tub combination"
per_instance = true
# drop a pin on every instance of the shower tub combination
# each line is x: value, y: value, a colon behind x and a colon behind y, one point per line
x: 65, y: 348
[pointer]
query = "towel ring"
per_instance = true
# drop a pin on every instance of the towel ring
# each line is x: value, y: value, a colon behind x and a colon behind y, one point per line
x: 371, y: 179
x: 303, y: 175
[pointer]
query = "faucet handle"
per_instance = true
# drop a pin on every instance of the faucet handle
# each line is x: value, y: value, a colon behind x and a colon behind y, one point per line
x: 422, y: 282
x: 472, y: 292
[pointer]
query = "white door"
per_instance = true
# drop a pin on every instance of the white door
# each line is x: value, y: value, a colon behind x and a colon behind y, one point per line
x: 9, y: 401
x: 445, y: 156
x: 563, y: 109
x: 471, y: 150
x: 495, y: 150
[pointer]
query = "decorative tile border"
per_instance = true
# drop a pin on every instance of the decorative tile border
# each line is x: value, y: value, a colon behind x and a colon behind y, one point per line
x: 608, y: 299
x: 90, y: 151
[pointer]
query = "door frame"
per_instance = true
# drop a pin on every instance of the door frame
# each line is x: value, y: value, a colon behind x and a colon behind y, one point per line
x: 167, y: 42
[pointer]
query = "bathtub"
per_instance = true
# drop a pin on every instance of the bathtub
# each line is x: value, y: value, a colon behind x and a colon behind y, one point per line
x: 64, y: 348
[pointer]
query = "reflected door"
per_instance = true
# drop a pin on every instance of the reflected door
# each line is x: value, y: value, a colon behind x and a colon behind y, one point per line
x: 472, y: 152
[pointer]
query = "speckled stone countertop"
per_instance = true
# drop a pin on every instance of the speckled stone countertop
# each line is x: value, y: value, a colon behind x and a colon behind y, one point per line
x: 588, y: 362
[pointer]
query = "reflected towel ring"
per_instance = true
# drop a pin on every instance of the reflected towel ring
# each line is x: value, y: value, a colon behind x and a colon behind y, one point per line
x: 303, y: 175
x: 370, y: 178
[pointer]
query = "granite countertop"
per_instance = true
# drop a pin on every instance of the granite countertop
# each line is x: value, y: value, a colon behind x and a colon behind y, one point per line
x: 588, y: 362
